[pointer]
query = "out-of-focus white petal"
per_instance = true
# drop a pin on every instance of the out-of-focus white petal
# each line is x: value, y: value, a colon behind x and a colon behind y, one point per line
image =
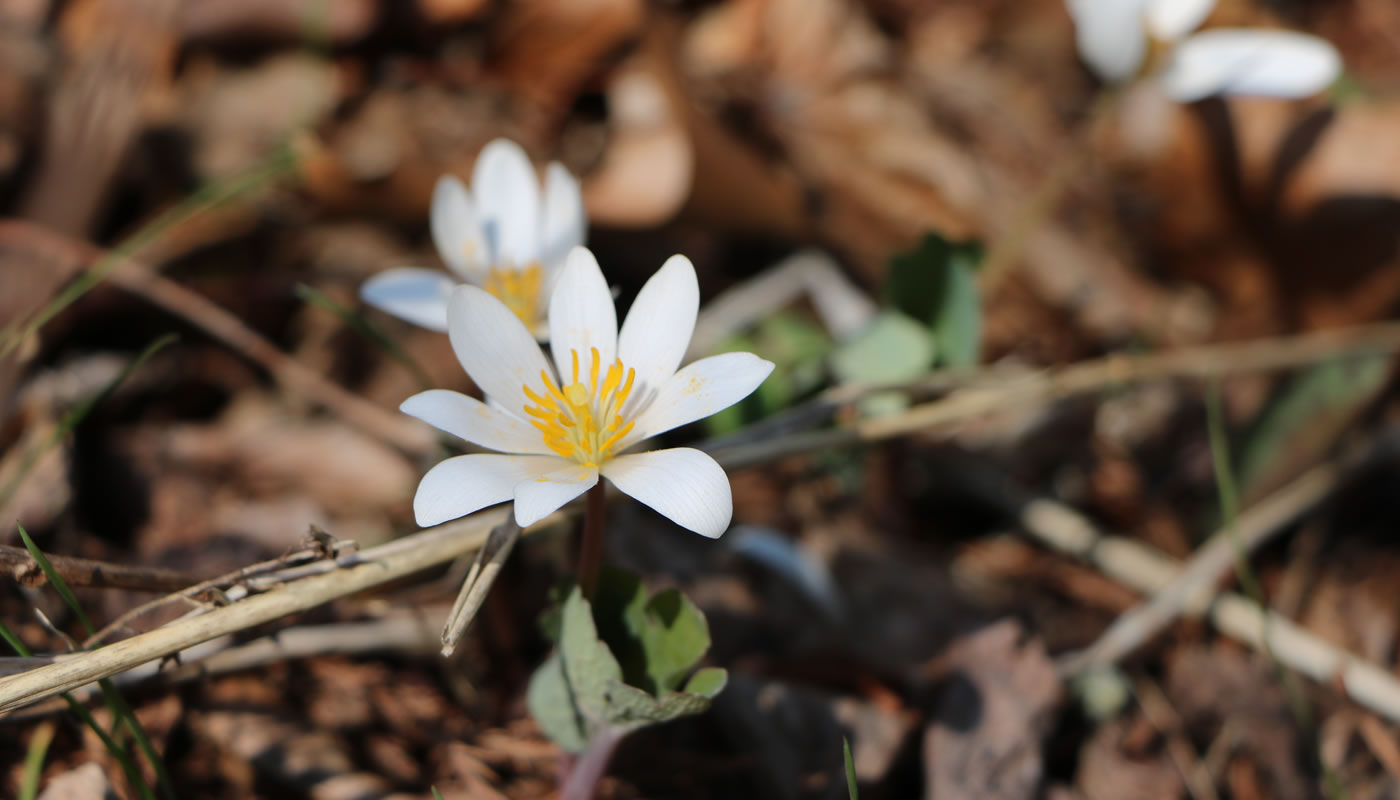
x: 658, y: 328
x: 1170, y: 20
x: 474, y: 421
x: 494, y: 347
x: 565, y: 222
x: 1110, y: 36
x: 458, y: 486
x: 456, y: 230
x: 412, y: 294
x: 699, y: 390
x: 683, y: 484
x: 539, y: 496
x: 507, y: 194
x: 581, y: 315
x: 1267, y: 63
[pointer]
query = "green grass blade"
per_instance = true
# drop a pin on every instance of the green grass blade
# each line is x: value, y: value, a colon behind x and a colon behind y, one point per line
x: 436, y: 794
x: 209, y: 196
x: 34, y: 760
x: 1229, y: 512
x: 143, y: 740
x: 121, y: 710
x: 133, y: 775
x: 56, y: 581
x: 76, y: 415
x: 851, y: 788
x: 359, y: 324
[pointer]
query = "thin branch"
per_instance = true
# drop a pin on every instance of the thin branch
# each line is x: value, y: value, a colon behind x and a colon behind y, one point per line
x: 372, y: 568
x: 138, y: 279
x: 1087, y: 377
x: 1211, y: 562
x: 97, y: 574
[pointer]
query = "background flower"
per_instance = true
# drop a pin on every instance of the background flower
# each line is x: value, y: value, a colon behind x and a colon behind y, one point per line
x: 559, y: 426
x: 502, y: 234
x: 1114, y: 37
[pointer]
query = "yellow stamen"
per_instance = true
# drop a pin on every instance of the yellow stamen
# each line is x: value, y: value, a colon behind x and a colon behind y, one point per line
x: 519, y: 289
x: 583, y: 421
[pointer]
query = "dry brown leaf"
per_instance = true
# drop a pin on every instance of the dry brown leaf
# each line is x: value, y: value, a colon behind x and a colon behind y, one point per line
x: 995, y: 707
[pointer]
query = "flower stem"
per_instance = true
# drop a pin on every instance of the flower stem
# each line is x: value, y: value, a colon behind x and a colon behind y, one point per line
x: 590, y: 554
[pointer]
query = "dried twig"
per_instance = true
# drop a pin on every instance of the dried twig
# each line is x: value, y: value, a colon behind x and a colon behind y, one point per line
x: 373, y: 567
x: 227, y: 328
x: 1150, y: 571
x: 1030, y: 389
x: 1195, y: 583
x: 475, y: 586
x: 97, y: 574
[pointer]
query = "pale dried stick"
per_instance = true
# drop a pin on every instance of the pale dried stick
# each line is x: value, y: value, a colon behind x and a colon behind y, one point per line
x: 190, y: 590
x: 401, y: 633
x: 489, y: 560
x: 842, y: 307
x: 1150, y: 571
x: 404, y: 557
x: 1211, y: 562
x: 1206, y: 361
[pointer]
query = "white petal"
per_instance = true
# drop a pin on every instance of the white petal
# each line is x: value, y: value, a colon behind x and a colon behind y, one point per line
x: 582, y: 316
x: 412, y: 294
x: 1110, y: 36
x: 456, y: 230
x: 539, y: 496
x: 494, y: 347
x: 1170, y: 20
x: 474, y: 421
x: 1250, y: 62
x: 683, y: 484
x: 458, y: 486
x: 658, y: 328
x: 564, y: 221
x: 699, y: 390
x: 507, y: 193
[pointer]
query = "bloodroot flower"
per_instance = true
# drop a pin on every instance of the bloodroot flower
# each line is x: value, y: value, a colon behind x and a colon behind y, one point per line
x: 502, y: 235
x: 558, y: 427
x: 1119, y: 38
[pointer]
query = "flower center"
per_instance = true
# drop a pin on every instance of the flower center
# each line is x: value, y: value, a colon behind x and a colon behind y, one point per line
x: 519, y: 289
x: 583, y: 421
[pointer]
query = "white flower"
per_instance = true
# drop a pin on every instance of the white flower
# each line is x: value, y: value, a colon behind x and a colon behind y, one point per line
x: 502, y: 235
x: 1114, y: 38
x: 558, y: 427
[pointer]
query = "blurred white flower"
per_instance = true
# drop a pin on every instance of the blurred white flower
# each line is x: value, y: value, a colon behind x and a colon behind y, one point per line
x: 558, y: 427
x: 1115, y: 37
x: 503, y: 235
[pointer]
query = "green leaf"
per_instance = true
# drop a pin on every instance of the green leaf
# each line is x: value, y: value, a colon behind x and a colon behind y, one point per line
x: 675, y: 637
x: 936, y: 284
x: 958, y: 326
x: 707, y: 682
x: 891, y: 349
x: 798, y: 349
x: 436, y: 794
x: 852, y: 789
x: 658, y: 641
x: 589, y: 666
x: 583, y: 689
x: 551, y: 703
